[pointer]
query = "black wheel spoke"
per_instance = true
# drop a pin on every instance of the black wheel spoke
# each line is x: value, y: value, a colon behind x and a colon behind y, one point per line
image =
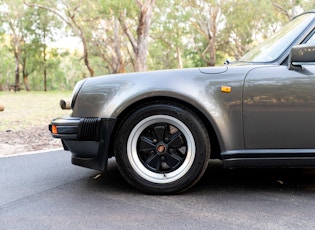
x: 145, y: 144
x: 173, y: 160
x: 176, y: 140
x: 160, y: 132
x: 153, y: 162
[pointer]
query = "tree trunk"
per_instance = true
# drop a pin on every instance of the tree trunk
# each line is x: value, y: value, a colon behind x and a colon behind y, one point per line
x: 45, y: 79
x: 146, y: 11
x: 17, y: 55
x: 179, y: 58
x: 214, y: 11
x: 86, y: 54
x: 26, y: 83
x: 140, y: 46
x: 17, y: 78
x: 17, y: 69
x: 212, y: 52
x: 25, y: 75
x: 209, y: 30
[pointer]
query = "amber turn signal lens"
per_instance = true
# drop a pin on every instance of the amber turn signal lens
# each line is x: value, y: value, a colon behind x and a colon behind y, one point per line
x: 226, y: 89
x: 54, y: 129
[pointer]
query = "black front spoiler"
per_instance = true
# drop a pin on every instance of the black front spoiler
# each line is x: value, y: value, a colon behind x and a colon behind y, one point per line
x: 88, y: 139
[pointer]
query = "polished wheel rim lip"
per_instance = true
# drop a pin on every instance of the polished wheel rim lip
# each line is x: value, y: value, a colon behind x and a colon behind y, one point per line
x: 137, y: 165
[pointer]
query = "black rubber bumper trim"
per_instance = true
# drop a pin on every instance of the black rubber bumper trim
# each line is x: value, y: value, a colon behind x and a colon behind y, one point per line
x: 89, y: 129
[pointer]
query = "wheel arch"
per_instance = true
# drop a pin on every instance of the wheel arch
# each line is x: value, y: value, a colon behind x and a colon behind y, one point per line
x: 215, y: 145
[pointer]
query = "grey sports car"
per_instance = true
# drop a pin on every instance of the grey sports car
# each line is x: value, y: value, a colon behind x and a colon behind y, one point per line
x: 163, y: 126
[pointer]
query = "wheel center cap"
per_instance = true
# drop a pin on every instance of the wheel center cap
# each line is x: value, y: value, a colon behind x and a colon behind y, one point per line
x: 161, y: 148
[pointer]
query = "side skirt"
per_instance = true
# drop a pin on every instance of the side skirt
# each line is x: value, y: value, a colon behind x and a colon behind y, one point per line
x: 269, y: 158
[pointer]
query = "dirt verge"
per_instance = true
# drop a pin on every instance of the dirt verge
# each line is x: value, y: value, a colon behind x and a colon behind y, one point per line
x: 24, y: 122
x: 27, y: 140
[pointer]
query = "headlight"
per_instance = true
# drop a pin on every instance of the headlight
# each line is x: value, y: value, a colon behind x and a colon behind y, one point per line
x: 76, y: 91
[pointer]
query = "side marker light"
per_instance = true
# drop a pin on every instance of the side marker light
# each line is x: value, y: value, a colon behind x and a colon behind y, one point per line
x: 226, y: 89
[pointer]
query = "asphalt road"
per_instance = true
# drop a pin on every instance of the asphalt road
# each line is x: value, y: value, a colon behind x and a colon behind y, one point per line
x: 44, y: 191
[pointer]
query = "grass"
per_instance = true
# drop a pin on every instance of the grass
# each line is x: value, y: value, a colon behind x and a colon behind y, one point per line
x: 23, y: 110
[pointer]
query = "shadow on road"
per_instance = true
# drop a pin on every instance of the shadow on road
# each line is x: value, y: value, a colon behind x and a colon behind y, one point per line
x: 264, y: 179
x: 216, y: 178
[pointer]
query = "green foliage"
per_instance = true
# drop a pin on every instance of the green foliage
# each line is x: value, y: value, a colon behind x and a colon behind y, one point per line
x: 110, y: 7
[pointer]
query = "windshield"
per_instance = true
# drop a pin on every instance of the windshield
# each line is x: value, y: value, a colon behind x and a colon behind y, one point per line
x: 272, y: 48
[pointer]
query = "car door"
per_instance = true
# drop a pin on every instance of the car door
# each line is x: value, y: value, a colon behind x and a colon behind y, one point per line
x: 279, y: 108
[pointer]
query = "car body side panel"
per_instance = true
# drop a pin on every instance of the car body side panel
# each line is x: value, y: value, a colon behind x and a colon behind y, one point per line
x: 108, y: 96
x: 279, y: 108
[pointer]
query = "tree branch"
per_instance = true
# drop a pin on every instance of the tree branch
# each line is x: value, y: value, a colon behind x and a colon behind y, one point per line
x: 281, y: 10
x: 51, y: 10
x: 128, y: 33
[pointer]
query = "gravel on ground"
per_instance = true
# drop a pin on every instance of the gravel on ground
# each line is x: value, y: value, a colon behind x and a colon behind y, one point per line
x: 27, y: 140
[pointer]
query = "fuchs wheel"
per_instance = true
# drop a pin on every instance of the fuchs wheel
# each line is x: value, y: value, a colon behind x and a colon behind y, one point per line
x: 162, y: 148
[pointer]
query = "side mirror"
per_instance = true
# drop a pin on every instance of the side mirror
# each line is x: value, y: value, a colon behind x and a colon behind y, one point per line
x: 301, y: 55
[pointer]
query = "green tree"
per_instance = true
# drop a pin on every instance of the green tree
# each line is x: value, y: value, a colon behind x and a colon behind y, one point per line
x: 77, y: 15
x: 168, y: 35
x: 36, y: 56
x: 242, y: 30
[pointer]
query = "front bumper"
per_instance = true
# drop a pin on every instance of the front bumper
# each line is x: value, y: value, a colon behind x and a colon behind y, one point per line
x: 88, y: 139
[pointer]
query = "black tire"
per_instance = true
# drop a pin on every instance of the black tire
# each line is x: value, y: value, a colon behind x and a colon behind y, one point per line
x: 162, y: 148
